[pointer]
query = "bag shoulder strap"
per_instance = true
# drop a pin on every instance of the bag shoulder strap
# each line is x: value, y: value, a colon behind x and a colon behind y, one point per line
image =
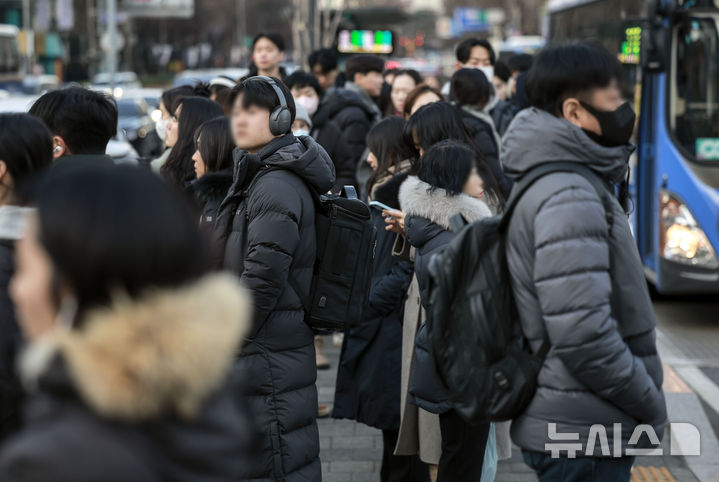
x: 534, y: 175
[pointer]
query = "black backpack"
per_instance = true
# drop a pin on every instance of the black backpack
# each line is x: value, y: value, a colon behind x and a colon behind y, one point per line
x: 346, y: 242
x: 473, y: 323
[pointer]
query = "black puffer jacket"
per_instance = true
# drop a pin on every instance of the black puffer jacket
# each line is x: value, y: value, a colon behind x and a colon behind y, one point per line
x: 427, y: 224
x: 502, y: 114
x: 369, y: 378
x: 271, y: 237
x: 210, y: 190
x: 329, y: 136
x: 10, y: 340
x: 354, y: 119
x: 140, y: 394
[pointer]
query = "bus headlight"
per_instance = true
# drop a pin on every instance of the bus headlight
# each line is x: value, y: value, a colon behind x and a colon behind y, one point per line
x: 681, y: 238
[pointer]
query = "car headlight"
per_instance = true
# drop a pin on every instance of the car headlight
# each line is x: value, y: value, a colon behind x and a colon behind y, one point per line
x: 117, y: 93
x: 156, y: 115
x: 682, y: 240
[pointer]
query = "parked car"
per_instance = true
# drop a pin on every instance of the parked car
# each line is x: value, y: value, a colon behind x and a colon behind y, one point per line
x: 189, y: 77
x: 135, y: 123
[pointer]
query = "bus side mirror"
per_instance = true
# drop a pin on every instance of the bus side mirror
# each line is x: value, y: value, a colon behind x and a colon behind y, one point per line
x: 657, y: 38
x: 656, y: 43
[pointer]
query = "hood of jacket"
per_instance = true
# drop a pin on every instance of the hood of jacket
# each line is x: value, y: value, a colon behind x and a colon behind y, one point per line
x: 536, y: 137
x: 335, y: 101
x: 167, y: 351
x: 301, y: 155
x: 436, y: 206
x: 308, y: 160
x: 213, y: 186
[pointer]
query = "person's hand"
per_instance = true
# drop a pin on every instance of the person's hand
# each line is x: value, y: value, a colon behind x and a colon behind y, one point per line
x: 394, y: 221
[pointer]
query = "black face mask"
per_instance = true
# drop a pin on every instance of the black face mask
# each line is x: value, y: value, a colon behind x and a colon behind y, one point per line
x: 616, y: 125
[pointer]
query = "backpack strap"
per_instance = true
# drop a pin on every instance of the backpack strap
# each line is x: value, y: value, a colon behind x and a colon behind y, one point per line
x: 293, y: 282
x: 533, y: 175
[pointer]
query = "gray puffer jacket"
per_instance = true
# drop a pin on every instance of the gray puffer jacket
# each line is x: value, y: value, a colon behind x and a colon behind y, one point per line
x: 603, y: 367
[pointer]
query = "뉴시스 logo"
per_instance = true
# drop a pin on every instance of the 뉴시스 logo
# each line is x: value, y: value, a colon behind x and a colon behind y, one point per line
x: 684, y: 439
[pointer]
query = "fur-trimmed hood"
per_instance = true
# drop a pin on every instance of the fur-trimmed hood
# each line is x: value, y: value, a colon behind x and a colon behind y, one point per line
x: 438, y: 206
x: 165, y: 352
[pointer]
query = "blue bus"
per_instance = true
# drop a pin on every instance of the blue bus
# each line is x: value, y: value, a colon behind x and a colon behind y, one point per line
x: 670, y: 55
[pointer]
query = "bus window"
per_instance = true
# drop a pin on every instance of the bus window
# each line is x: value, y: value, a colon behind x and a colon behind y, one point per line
x: 694, y: 109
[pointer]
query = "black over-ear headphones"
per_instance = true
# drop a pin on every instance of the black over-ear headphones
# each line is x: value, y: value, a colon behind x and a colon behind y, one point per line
x: 281, y: 117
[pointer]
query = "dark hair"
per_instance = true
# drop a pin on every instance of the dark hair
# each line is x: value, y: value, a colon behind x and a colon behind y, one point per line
x: 25, y: 148
x: 390, y: 71
x: 470, y: 87
x: 273, y: 37
x: 108, y: 228
x: 301, y: 79
x: 257, y: 92
x: 170, y: 97
x: 566, y: 70
x: 86, y: 120
x: 326, y: 58
x: 214, y: 141
x: 385, y: 141
x: 520, y: 62
x: 363, y: 64
x: 464, y: 49
x: 195, y: 110
x: 502, y: 71
x: 222, y: 96
x: 447, y: 165
x: 439, y: 121
x: 411, y: 72
x: 415, y: 94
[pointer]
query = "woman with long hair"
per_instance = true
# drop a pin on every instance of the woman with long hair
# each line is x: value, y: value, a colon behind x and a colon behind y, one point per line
x: 368, y: 378
x: 433, y: 123
x: 188, y: 114
x: 439, y: 121
x: 213, y: 167
x: 446, y: 182
x: 167, y: 100
x: 131, y: 342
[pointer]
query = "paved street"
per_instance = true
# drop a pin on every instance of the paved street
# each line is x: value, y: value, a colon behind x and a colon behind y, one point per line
x: 689, y: 344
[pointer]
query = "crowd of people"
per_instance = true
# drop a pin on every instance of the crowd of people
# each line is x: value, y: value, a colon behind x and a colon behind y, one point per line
x: 158, y: 317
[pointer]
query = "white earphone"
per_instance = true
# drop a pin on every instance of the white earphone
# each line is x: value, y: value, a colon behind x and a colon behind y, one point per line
x: 57, y: 149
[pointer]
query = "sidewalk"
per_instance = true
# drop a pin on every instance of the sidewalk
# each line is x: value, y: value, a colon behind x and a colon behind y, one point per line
x: 352, y: 452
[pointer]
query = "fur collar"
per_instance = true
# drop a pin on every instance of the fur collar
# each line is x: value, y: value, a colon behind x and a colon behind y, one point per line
x: 166, y: 352
x: 438, y: 206
x: 213, y: 186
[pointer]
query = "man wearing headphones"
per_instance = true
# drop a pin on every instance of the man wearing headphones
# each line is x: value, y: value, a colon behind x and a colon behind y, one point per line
x: 269, y: 214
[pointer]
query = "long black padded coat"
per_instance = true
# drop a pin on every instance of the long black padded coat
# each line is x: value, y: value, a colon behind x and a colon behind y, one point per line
x: 369, y: 373
x: 271, y: 236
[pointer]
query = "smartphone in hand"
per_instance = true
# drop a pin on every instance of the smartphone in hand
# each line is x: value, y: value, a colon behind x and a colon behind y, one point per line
x: 380, y: 206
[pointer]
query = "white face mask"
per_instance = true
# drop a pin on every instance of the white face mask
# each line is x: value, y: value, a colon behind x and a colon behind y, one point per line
x: 161, y: 128
x: 301, y: 132
x: 309, y: 103
x: 488, y: 71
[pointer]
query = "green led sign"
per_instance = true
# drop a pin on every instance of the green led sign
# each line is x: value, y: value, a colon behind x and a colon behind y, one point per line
x: 631, y: 46
x: 365, y: 41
